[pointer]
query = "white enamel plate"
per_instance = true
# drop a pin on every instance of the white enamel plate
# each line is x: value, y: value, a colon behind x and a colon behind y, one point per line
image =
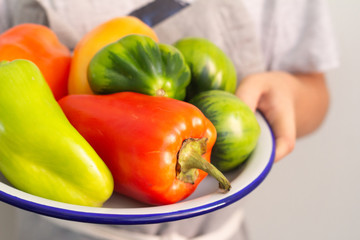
x: 121, y: 210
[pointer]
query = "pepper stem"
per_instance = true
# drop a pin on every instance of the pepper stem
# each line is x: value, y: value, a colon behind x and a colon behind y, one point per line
x: 190, y: 159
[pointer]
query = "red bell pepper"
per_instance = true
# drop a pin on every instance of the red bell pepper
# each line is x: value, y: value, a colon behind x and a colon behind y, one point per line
x: 153, y: 146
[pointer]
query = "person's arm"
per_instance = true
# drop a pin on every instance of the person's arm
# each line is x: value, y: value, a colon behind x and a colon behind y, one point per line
x: 294, y: 105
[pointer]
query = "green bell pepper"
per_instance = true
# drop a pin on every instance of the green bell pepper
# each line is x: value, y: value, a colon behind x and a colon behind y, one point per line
x: 137, y: 63
x: 40, y: 152
x: 210, y: 67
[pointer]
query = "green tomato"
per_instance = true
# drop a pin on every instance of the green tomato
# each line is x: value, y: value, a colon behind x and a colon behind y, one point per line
x: 137, y: 63
x: 211, y: 68
x: 236, y: 125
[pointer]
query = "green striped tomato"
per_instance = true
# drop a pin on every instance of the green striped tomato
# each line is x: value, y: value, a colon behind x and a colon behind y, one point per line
x: 236, y: 125
x: 137, y: 63
x: 211, y: 68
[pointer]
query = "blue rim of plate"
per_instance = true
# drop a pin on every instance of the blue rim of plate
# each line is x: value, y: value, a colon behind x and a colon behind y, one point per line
x: 130, y: 219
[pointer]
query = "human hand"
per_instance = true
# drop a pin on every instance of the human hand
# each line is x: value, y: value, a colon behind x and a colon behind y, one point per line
x: 294, y: 105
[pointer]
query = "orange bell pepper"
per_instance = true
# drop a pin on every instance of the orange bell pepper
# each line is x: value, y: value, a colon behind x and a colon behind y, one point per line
x: 96, y: 39
x: 40, y: 45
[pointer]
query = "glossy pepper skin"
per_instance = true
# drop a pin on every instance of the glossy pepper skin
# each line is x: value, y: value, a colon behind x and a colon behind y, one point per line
x: 40, y: 151
x: 40, y: 45
x: 139, y: 137
x: 137, y: 63
x: 102, y: 35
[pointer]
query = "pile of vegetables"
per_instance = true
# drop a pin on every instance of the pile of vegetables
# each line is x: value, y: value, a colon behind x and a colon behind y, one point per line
x: 123, y: 112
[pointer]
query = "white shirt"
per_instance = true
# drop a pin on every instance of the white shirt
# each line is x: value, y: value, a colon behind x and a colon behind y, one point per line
x: 295, y: 35
x: 288, y: 35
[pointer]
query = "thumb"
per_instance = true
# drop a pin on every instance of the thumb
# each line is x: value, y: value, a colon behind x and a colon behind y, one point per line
x: 250, y: 91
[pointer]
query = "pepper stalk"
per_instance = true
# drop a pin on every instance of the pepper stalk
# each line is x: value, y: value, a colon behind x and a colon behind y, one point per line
x: 190, y: 159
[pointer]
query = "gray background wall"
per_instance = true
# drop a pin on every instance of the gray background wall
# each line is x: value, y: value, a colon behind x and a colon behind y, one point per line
x: 314, y: 193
